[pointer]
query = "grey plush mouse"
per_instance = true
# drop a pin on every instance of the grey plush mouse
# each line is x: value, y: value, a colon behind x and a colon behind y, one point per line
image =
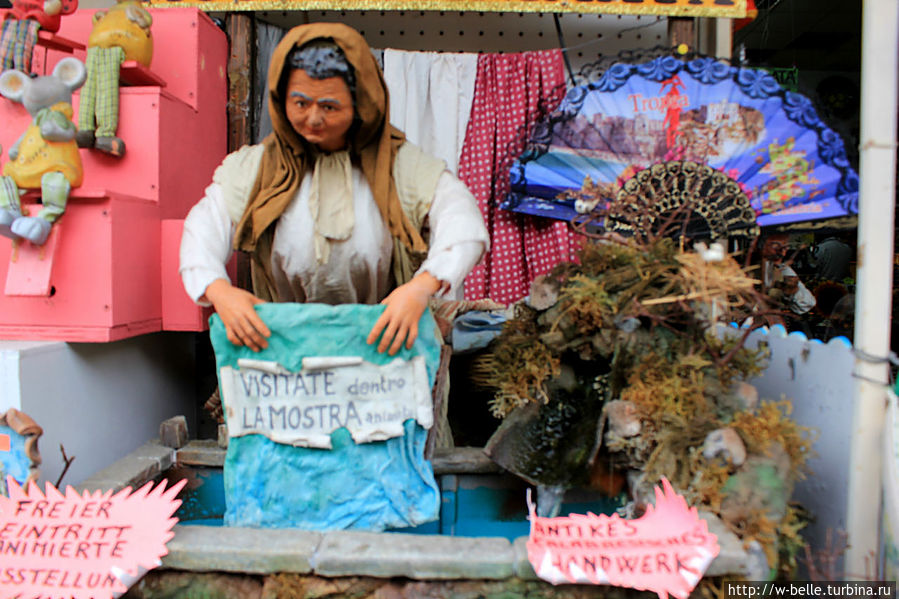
x: 46, y: 155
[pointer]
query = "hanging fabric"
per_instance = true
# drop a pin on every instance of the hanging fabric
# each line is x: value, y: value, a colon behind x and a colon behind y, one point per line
x: 512, y: 91
x: 430, y: 99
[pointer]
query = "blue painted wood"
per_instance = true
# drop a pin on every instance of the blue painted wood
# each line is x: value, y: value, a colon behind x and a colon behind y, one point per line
x: 448, y: 504
x: 472, y: 505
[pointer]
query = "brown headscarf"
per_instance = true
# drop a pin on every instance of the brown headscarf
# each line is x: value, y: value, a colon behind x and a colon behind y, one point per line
x: 287, y: 156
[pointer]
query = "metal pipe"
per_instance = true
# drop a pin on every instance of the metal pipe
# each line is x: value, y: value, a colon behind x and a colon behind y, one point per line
x: 877, y: 168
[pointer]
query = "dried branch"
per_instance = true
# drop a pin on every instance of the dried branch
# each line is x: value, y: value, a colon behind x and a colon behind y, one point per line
x: 67, y: 461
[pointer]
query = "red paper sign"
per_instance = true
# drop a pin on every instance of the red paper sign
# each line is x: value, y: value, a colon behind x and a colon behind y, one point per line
x: 77, y: 545
x: 667, y: 550
x: 5, y: 444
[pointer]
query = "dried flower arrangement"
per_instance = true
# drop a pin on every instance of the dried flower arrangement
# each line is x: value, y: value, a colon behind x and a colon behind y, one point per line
x: 618, y: 361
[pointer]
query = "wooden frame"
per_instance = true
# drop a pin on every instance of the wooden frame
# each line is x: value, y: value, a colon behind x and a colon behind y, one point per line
x: 734, y: 9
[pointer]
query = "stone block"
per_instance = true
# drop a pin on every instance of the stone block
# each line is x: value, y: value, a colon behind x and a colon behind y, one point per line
x: 143, y: 464
x: 201, y: 453
x: 414, y: 556
x: 523, y: 568
x: 97, y: 484
x: 731, y: 558
x: 248, y: 550
x: 223, y: 436
x: 166, y: 584
x: 152, y: 450
x: 173, y: 432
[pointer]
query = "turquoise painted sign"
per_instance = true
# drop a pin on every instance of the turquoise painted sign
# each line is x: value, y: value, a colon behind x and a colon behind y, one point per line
x: 335, y: 483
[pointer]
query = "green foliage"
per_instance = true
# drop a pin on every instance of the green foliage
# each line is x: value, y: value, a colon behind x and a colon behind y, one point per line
x: 642, y: 317
x: 621, y: 300
x: 519, y: 367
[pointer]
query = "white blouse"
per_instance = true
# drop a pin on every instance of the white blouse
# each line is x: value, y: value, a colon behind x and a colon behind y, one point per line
x: 358, y: 268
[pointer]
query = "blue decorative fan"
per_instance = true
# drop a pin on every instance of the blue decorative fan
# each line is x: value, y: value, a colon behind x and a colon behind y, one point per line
x: 668, y: 131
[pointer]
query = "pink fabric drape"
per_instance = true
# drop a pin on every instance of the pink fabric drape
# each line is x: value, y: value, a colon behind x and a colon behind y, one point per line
x: 511, y: 92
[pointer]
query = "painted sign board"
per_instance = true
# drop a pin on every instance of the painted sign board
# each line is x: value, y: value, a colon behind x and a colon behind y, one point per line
x: 667, y: 550
x: 303, y: 408
x: 734, y: 9
x: 327, y: 433
x: 82, y: 545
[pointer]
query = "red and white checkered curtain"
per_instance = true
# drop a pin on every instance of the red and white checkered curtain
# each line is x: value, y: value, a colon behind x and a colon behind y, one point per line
x: 512, y: 91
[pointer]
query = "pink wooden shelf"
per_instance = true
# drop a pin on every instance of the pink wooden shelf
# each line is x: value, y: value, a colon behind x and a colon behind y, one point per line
x: 52, y: 41
x: 110, y: 269
x: 134, y: 73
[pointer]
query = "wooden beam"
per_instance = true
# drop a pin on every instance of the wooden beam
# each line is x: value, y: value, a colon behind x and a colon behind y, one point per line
x: 241, y: 30
x: 681, y: 30
x: 241, y: 36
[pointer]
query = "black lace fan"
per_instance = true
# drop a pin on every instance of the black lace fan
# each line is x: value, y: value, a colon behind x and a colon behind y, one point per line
x: 682, y: 199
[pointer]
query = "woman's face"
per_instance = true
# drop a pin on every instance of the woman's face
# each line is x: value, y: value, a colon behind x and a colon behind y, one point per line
x: 319, y: 110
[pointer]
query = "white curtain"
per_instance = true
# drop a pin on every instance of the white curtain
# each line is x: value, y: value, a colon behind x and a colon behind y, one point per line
x: 430, y: 99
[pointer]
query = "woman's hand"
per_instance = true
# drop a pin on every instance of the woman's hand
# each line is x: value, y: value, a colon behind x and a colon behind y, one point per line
x: 405, y: 305
x: 235, y: 306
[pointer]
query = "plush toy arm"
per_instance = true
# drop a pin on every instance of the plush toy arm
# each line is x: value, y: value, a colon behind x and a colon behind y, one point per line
x: 54, y: 126
x: 14, y: 150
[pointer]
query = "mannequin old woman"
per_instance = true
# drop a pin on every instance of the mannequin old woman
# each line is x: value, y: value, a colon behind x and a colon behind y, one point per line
x: 334, y: 205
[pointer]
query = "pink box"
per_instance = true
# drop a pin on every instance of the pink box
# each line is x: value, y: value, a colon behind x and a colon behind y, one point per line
x: 190, y: 53
x: 171, y: 151
x: 174, y: 136
x: 105, y: 277
x: 181, y: 37
x: 179, y: 313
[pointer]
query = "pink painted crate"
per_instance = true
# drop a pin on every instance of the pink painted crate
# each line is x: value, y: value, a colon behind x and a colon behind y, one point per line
x: 189, y: 52
x: 104, y: 283
x: 181, y: 37
x: 179, y: 313
x: 171, y: 151
x: 175, y: 137
x: 167, y: 158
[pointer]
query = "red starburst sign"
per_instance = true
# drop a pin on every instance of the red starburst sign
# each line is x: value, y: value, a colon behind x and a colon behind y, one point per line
x: 55, y: 545
x: 667, y: 550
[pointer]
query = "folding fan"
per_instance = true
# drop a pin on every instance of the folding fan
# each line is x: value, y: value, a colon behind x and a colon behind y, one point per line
x: 657, y: 136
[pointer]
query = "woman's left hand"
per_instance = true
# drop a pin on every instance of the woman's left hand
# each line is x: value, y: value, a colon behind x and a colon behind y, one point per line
x: 405, y: 305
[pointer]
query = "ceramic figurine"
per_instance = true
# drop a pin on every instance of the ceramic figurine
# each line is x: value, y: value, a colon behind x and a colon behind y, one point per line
x: 19, y: 454
x: 724, y: 444
x: 119, y: 34
x: 20, y: 27
x: 46, y: 156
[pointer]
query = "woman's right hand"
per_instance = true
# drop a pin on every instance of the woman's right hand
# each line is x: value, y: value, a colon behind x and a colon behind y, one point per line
x: 235, y: 306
